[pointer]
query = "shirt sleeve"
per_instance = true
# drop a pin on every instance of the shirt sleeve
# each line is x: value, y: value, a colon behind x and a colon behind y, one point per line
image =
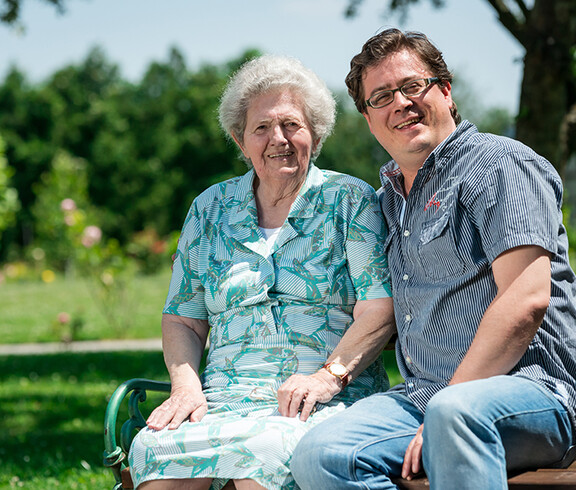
x: 517, y: 202
x: 186, y: 292
x: 366, y: 234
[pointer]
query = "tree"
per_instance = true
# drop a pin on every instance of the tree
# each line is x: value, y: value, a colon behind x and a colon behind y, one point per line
x: 9, y: 203
x: 10, y: 10
x: 351, y: 148
x: 547, y: 31
x: 26, y: 121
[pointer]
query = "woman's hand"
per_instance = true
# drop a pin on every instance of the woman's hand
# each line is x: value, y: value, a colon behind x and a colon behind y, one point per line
x: 301, y: 393
x: 413, y: 457
x: 184, y: 404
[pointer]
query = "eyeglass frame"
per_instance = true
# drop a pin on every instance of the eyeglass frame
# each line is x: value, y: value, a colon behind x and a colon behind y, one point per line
x: 429, y: 81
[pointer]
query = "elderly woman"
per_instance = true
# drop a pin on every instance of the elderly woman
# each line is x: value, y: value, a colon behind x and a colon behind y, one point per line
x: 284, y: 268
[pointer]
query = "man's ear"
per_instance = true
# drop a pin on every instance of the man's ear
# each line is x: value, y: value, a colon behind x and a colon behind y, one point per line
x: 368, y: 120
x: 446, y: 89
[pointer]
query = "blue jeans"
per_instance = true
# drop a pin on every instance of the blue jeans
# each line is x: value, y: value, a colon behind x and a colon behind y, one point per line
x: 474, y: 433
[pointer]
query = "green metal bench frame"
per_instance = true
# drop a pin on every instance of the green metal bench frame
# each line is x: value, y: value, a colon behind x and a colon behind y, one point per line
x: 115, y: 455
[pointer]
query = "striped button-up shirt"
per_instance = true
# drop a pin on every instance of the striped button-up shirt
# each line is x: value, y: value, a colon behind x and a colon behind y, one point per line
x: 476, y: 196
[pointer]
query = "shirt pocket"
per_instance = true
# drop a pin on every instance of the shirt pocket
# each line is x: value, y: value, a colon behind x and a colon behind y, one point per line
x: 437, y: 250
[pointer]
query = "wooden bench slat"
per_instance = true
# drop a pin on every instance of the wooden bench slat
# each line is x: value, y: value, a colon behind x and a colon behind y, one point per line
x: 127, y: 479
x: 544, y: 478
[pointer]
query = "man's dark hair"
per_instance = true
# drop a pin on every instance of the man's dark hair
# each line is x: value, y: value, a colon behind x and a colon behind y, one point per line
x: 388, y: 42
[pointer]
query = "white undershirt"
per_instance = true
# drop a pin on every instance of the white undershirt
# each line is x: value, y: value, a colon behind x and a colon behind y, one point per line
x: 270, y: 234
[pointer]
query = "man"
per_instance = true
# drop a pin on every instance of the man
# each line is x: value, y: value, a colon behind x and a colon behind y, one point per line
x: 484, y: 296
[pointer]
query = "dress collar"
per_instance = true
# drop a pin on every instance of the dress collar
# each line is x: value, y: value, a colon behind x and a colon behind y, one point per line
x: 245, y: 213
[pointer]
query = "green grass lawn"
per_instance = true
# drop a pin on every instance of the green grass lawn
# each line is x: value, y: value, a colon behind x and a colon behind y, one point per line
x: 52, y: 412
x: 52, y: 406
x: 30, y: 309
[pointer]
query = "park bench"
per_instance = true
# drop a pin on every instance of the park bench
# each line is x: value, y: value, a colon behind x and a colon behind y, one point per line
x: 116, y: 454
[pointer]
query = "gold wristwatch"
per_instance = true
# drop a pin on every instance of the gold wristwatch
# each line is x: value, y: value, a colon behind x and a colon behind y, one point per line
x: 339, y: 370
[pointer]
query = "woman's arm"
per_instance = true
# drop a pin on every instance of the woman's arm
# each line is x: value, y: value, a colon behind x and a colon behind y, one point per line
x: 183, y: 343
x: 371, y: 330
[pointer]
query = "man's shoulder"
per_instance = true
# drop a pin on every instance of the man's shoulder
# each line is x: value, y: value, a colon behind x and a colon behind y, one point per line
x: 472, y: 140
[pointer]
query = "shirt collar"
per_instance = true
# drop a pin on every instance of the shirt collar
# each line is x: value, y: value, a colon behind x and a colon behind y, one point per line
x: 390, y: 172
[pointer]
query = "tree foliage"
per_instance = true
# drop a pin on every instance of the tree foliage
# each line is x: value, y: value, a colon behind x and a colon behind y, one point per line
x: 9, y: 203
x: 547, y: 31
x: 149, y: 148
x: 10, y: 9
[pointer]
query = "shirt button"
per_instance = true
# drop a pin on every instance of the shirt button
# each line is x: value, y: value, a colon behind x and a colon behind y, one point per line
x: 411, y: 385
x: 405, y: 277
x: 406, y: 232
x: 263, y: 318
x: 408, y: 318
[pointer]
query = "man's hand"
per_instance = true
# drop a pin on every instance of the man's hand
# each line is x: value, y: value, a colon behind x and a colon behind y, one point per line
x: 413, y: 456
x: 301, y: 393
x: 183, y: 405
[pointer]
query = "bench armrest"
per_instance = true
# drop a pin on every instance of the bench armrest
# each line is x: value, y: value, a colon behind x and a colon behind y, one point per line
x: 114, y: 454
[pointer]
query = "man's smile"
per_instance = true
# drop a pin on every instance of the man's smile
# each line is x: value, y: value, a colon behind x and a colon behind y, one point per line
x: 404, y: 124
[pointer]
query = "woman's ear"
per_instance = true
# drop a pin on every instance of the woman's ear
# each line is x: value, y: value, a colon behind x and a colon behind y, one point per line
x: 237, y: 141
x: 315, y: 145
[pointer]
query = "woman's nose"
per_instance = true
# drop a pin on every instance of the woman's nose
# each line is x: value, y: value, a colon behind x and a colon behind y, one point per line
x: 278, y: 134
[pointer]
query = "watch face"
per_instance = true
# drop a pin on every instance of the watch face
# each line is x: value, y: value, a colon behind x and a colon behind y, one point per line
x: 337, y: 369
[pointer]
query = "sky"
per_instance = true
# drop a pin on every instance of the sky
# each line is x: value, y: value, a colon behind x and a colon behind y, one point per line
x: 133, y: 33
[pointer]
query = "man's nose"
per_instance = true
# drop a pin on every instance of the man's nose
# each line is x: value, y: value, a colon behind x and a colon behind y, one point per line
x: 400, y: 99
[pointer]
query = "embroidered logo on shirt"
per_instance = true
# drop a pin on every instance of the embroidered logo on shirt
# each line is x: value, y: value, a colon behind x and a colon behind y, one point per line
x: 432, y: 202
x: 441, y: 197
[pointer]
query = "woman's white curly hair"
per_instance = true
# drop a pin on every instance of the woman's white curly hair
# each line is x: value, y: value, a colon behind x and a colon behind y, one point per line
x: 269, y: 73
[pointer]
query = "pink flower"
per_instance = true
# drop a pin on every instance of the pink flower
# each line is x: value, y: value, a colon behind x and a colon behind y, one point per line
x: 158, y: 247
x: 91, y: 236
x: 63, y: 318
x: 68, y: 205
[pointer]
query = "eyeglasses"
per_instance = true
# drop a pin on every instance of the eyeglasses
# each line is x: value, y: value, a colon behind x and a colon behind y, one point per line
x: 409, y: 89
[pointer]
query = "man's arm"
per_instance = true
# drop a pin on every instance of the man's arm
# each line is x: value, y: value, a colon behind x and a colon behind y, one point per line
x: 523, y: 278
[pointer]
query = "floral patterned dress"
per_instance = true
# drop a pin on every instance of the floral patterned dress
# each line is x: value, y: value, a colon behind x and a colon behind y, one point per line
x: 273, y: 312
